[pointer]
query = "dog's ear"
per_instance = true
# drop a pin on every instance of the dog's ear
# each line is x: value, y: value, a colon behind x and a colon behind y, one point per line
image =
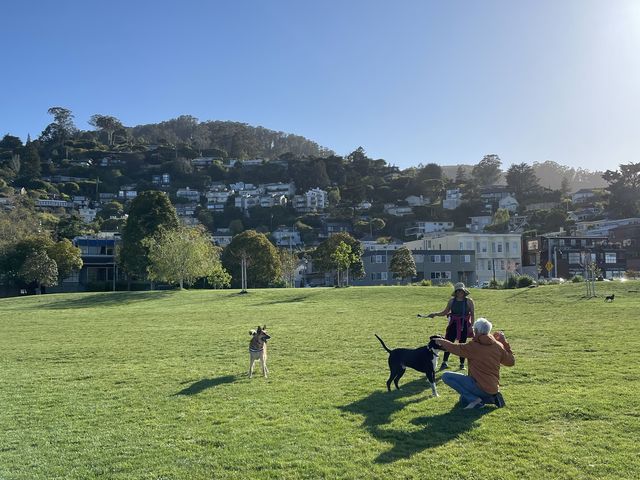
x: 264, y: 327
x: 252, y: 332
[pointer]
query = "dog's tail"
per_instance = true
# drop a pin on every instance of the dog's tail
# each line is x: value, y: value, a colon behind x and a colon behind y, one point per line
x: 383, y: 345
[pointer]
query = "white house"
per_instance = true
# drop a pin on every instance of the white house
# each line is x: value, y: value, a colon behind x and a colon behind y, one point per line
x: 396, y: 210
x: 420, y: 228
x: 216, y: 200
x: 478, y: 223
x: 314, y: 200
x: 222, y: 237
x: 583, y: 195
x: 497, y: 255
x: 87, y: 215
x: 286, y: 237
x: 244, y: 202
x: 453, y: 199
x: 509, y: 203
x: 288, y: 189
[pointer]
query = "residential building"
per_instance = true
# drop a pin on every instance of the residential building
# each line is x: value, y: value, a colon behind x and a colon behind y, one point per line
x: 87, y: 215
x: 508, y: 203
x: 496, y: 255
x: 376, y: 259
x: 127, y: 194
x: 453, y: 199
x: 331, y: 227
x: 603, y: 227
x: 286, y: 237
x: 312, y: 201
x: 244, y: 201
x: 478, y: 223
x: 287, y: 189
x: 495, y: 193
x: 628, y: 236
x: 583, y: 195
x: 80, y: 201
x: 188, y: 194
x: 99, y: 265
x: 397, y: 210
x: 163, y: 180
x: 203, y: 162
x: 186, y: 209
x: 420, y: 228
x: 217, y: 199
x: 53, y: 203
x: 542, y: 206
x: 106, y: 197
x: 567, y: 255
x: 222, y: 237
x: 441, y: 266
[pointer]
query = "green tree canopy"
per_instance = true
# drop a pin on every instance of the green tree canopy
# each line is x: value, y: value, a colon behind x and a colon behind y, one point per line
x: 323, y: 262
x: 402, y: 264
x: 150, y: 212
x: 487, y: 171
x: 38, y: 268
x: 181, y: 256
x: 263, y: 262
x: 624, y: 187
x: 522, y: 179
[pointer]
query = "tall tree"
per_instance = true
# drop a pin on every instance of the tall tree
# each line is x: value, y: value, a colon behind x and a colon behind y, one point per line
x: 67, y: 257
x: 150, y: 212
x: 263, y: 262
x: 30, y: 167
x: 289, y: 265
x: 624, y: 189
x: 342, y: 257
x: 487, y: 171
x: 107, y: 124
x: 522, y: 179
x: 402, y: 264
x: 62, y: 127
x: 181, y: 255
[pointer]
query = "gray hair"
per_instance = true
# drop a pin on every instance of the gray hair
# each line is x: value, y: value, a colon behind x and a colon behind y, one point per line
x: 482, y: 326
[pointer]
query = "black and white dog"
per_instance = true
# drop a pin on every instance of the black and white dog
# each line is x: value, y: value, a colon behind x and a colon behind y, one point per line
x: 423, y: 359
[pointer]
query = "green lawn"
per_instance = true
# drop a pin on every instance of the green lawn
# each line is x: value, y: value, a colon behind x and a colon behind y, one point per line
x: 152, y: 385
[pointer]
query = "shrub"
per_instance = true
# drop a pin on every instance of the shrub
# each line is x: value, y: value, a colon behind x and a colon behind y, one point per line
x: 525, y: 281
x: 542, y: 281
x: 577, y: 279
x: 494, y: 284
x: 511, y: 282
x: 445, y: 284
x: 425, y: 283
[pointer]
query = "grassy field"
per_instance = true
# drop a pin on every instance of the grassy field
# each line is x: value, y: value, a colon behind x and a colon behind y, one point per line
x: 152, y: 385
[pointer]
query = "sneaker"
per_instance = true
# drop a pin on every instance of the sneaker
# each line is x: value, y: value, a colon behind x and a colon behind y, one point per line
x: 498, y: 400
x: 477, y: 403
x: 444, y: 366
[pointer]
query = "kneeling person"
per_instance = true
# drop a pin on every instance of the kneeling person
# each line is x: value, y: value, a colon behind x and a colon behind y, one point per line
x: 485, y: 354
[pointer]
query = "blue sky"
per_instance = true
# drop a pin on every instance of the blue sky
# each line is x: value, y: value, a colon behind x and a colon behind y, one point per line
x: 410, y: 81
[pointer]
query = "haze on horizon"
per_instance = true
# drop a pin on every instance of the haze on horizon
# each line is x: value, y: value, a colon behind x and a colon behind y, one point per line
x: 412, y: 82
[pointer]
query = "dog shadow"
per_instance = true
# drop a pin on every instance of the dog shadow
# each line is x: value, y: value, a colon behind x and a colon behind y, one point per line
x: 437, y: 430
x: 205, y: 384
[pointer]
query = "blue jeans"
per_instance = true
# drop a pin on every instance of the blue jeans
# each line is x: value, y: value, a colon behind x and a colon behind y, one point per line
x: 466, y: 387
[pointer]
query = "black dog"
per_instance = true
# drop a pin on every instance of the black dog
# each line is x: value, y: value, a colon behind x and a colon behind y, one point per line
x: 610, y: 298
x: 423, y: 359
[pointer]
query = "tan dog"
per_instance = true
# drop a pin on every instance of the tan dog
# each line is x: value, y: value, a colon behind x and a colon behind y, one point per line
x: 258, y: 349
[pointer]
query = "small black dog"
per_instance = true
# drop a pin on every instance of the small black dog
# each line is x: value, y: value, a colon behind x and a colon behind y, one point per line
x: 423, y: 359
x: 610, y: 298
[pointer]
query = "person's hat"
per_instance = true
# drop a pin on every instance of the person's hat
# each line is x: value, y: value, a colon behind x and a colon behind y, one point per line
x: 459, y: 286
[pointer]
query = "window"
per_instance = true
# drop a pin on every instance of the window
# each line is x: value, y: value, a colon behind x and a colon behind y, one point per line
x: 489, y: 265
x: 469, y: 245
x: 574, y: 258
x: 483, y: 247
x: 493, y: 247
x: 573, y: 242
x: 610, y: 257
x: 467, y: 258
x: 500, y: 247
x: 461, y: 246
x: 435, y: 258
x: 447, y: 259
x: 506, y: 244
x: 418, y: 258
x: 515, y: 247
x: 501, y: 264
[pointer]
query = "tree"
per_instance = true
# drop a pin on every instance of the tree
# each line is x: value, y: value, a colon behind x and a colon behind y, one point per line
x: 29, y: 162
x: 323, y: 262
x: 341, y: 258
x: 10, y: 143
x: 565, y: 186
x: 67, y: 257
x: 107, y: 124
x: 500, y: 223
x: 289, y: 266
x: 261, y: 256
x: 487, y: 171
x: 624, y: 189
x: 61, y: 128
x: 150, y: 212
x: 402, y: 264
x: 181, y: 255
x: 38, y: 268
x: 461, y: 175
x: 522, y: 179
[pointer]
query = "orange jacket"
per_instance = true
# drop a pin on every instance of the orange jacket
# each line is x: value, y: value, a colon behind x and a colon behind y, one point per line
x: 485, y: 355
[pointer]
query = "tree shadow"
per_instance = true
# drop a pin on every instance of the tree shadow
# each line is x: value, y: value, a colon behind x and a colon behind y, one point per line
x: 300, y: 298
x: 437, y: 430
x: 106, y: 299
x: 206, y: 383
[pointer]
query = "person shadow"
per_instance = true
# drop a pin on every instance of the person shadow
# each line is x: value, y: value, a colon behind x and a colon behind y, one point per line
x: 206, y: 383
x: 437, y: 430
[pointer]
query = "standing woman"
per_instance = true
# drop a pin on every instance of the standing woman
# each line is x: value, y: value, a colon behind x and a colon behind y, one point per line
x: 461, y: 311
